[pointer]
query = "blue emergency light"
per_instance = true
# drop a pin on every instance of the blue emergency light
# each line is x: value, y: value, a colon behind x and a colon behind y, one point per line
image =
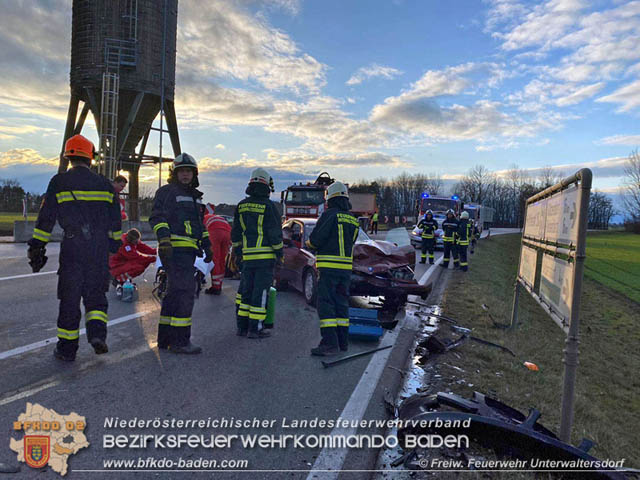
x: 455, y: 197
x: 425, y: 195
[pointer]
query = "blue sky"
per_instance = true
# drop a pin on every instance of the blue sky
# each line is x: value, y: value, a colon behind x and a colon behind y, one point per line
x: 361, y: 89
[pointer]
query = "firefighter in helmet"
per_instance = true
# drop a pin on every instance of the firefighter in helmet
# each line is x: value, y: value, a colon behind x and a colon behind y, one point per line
x: 176, y: 220
x: 463, y: 236
x: 333, y: 238
x: 428, y: 225
x: 85, y: 206
x: 256, y: 238
x: 449, y: 229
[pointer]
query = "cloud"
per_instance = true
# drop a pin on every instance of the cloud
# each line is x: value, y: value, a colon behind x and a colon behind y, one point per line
x: 220, y: 146
x: 580, y: 94
x: 627, y: 96
x: 310, y: 162
x: 607, y: 167
x: 632, y: 140
x: 19, y: 156
x: 373, y: 70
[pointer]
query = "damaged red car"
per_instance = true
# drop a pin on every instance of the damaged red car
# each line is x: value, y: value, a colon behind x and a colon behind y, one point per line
x: 380, y: 268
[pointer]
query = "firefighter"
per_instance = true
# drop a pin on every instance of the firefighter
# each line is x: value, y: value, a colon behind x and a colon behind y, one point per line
x: 333, y: 238
x: 220, y: 238
x: 85, y: 206
x: 257, y: 245
x: 374, y: 222
x: 449, y: 228
x: 475, y: 235
x: 177, y: 221
x: 463, y: 236
x: 118, y: 185
x: 132, y: 259
x: 428, y: 225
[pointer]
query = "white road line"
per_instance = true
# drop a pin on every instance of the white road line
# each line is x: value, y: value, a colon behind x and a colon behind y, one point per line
x: 34, y: 346
x: 28, y: 393
x: 27, y: 275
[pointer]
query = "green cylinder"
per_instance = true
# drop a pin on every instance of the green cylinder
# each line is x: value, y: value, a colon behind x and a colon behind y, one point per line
x: 271, y: 308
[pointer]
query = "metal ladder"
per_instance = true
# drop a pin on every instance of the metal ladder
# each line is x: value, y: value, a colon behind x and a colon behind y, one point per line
x: 109, y: 124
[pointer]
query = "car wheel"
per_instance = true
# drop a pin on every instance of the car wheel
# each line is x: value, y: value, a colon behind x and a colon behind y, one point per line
x: 310, y: 286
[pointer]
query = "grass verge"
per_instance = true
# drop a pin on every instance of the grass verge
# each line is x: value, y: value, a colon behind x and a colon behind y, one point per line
x: 608, y: 385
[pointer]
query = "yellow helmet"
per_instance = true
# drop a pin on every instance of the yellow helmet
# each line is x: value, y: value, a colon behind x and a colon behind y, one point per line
x: 337, y: 189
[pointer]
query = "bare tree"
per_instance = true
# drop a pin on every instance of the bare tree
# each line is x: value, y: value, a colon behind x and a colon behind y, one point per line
x: 548, y: 177
x: 631, y: 187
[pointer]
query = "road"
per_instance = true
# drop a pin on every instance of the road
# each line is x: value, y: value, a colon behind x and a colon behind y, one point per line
x: 270, y: 379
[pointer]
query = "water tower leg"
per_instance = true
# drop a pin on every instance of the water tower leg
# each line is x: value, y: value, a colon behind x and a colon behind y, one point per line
x: 172, y: 126
x: 83, y: 117
x: 68, y: 131
x: 134, y: 193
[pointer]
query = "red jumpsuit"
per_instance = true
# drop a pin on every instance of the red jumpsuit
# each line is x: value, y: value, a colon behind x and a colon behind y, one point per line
x: 220, y: 237
x: 131, y: 259
x: 123, y: 212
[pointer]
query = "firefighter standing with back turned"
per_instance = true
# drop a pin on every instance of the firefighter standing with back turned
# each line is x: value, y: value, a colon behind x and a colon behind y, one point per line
x: 176, y: 219
x: 449, y: 229
x: 85, y: 206
x: 463, y: 236
x: 333, y: 238
x: 256, y: 238
x: 428, y: 225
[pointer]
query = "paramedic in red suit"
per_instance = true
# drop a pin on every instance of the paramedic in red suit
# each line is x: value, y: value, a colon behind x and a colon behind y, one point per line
x: 220, y: 237
x: 132, y: 258
x: 118, y: 185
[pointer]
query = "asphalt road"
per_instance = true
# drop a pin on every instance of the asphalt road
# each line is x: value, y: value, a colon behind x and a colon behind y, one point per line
x: 271, y: 379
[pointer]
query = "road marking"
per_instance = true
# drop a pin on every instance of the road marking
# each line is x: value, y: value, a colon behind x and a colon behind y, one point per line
x: 331, y: 460
x: 27, y: 275
x: 34, y: 346
x: 28, y: 393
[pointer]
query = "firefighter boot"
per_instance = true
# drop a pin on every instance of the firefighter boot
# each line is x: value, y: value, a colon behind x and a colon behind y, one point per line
x: 255, y: 332
x: 188, y: 349
x: 99, y: 346
x: 65, y: 357
x: 343, y: 338
x: 329, y: 343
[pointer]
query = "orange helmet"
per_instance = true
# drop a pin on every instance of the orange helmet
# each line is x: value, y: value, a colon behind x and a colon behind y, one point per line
x: 79, y: 146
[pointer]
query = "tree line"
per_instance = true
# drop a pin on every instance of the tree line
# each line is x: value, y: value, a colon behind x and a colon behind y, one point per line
x: 12, y: 196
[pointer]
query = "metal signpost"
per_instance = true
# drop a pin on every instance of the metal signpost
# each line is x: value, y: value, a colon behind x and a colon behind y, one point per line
x: 555, y: 229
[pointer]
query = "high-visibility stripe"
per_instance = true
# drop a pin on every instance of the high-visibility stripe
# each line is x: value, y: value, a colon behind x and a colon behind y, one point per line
x: 260, y: 232
x: 244, y: 229
x: 328, y: 322
x: 277, y: 246
x: 236, y: 244
x: 258, y: 309
x: 205, y: 234
x: 335, y: 258
x: 427, y: 236
x: 184, y: 198
x: 423, y: 255
x: 160, y: 225
x: 68, y: 334
x: 464, y: 264
x: 180, y: 321
x: 342, y: 322
x: 257, y: 250
x: 85, y: 196
x: 341, y: 239
x: 243, y: 311
x: 165, y: 320
x: 180, y: 241
x: 96, y: 315
x: 238, y: 298
x: 262, y: 256
x: 339, y: 266
x: 187, y: 227
x: 41, y: 235
x: 463, y: 242
x: 116, y: 235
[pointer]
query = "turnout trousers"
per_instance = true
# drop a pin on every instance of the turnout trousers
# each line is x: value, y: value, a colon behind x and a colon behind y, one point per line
x: 449, y: 251
x: 83, y: 275
x: 174, y: 328
x: 255, y: 284
x: 462, y: 252
x: 333, y: 307
x: 428, y: 245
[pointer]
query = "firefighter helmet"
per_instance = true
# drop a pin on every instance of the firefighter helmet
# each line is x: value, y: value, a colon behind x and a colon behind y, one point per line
x: 79, y: 146
x: 428, y: 212
x: 464, y: 215
x: 337, y: 189
x: 450, y: 211
x: 185, y: 160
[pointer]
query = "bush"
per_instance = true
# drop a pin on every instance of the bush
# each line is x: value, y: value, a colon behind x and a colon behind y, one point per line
x: 633, y: 227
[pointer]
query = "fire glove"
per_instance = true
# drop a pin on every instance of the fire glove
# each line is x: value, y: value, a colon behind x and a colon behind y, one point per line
x: 206, y: 246
x: 114, y: 245
x: 36, y: 255
x: 165, y: 250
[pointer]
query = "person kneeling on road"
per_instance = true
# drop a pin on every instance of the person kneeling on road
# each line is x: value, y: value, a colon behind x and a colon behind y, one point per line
x: 177, y: 221
x: 132, y: 259
x: 333, y: 239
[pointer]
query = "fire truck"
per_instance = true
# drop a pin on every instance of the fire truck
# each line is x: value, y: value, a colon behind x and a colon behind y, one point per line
x: 306, y: 200
x: 437, y: 204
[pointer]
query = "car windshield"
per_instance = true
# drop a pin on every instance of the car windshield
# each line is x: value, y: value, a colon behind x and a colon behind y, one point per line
x: 305, y: 197
x: 399, y: 236
x: 362, y: 236
x: 308, y: 228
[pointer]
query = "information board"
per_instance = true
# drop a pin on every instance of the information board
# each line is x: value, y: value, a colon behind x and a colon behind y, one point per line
x: 561, y: 224
x: 528, y: 260
x: 556, y: 286
x: 535, y: 221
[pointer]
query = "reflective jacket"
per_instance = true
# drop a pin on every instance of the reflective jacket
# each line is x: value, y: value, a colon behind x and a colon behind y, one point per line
x: 333, y: 238
x: 449, y: 229
x: 85, y: 206
x: 177, y: 214
x: 257, y: 230
x: 428, y: 227
x: 464, y: 231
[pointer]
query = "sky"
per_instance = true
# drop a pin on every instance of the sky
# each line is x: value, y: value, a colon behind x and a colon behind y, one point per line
x: 361, y: 89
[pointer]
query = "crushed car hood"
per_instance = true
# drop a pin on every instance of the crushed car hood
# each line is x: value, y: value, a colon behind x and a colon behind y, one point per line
x: 371, y: 257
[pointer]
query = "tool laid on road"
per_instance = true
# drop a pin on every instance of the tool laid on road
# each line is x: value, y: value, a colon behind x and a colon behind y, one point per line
x: 355, y: 355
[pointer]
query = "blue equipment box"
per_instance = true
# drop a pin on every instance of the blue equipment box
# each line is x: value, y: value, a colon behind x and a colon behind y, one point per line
x: 364, y: 324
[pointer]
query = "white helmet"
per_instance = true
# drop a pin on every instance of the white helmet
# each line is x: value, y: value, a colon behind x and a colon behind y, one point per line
x: 337, y: 189
x: 185, y: 160
x: 465, y: 215
x: 260, y: 175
